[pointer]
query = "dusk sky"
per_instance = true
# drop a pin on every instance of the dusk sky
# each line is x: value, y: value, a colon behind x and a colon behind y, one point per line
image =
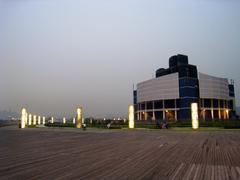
x: 56, y: 55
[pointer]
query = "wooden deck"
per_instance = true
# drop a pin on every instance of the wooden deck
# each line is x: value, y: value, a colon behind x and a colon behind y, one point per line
x: 118, y: 154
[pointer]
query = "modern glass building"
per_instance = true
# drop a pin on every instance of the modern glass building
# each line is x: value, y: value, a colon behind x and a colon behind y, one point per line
x: 170, y: 94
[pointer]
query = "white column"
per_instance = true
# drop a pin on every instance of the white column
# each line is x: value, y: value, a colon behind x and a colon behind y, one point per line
x: 39, y: 120
x: 219, y: 110
x: 154, y: 118
x: 164, y: 117
x: 131, y: 116
x: 30, y: 120
x: 79, y: 117
x: 23, y: 118
x: 212, y: 112
x: 34, y: 120
x: 44, y: 120
x: 52, y: 120
x: 175, y: 102
x: 204, y: 114
x: 194, y: 112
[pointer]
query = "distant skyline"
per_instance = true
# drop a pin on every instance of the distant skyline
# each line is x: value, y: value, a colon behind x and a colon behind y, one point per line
x: 56, y: 55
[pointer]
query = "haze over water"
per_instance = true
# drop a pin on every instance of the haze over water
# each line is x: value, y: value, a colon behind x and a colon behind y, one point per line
x: 56, y: 55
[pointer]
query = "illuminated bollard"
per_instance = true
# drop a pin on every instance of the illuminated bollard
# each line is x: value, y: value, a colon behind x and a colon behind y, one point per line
x: 79, y: 118
x: 52, y: 120
x: 227, y: 112
x: 26, y: 119
x: 23, y: 118
x: 39, y: 120
x: 34, y: 120
x: 64, y: 120
x: 131, y: 116
x: 194, y: 109
x: 44, y: 120
x: 74, y: 120
x: 29, y: 119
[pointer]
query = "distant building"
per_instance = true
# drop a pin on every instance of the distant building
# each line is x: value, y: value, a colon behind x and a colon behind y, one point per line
x: 170, y: 94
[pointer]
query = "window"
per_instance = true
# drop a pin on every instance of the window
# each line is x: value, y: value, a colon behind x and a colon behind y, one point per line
x: 150, y: 105
x: 215, y: 103
x: 158, y: 115
x: 207, y: 103
x: 221, y: 104
x: 143, y: 106
x: 169, y: 104
x: 158, y: 104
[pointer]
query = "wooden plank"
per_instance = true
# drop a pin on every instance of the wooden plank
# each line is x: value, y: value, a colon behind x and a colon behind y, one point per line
x: 118, y: 154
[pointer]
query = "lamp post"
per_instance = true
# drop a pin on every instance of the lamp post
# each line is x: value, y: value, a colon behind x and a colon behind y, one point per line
x: 194, y: 109
x: 23, y: 118
x: 39, y: 120
x: 79, y: 117
x: 26, y: 118
x: 29, y: 119
x: 34, y: 120
x: 52, y: 120
x: 131, y: 117
x: 44, y: 120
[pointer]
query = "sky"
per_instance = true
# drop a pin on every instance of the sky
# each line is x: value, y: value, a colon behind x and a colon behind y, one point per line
x: 56, y: 55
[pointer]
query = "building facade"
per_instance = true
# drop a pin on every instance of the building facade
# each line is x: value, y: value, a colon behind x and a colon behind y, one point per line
x: 169, y: 96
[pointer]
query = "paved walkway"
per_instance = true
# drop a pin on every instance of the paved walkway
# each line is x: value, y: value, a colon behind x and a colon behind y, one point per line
x: 118, y: 154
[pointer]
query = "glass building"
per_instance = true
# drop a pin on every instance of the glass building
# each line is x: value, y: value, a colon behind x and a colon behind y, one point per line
x: 169, y: 95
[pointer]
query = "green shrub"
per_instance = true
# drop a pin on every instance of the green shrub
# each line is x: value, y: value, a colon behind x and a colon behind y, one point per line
x: 58, y: 124
x: 229, y: 124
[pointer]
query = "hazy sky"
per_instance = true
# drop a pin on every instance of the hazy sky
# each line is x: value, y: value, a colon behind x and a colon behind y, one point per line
x: 58, y: 54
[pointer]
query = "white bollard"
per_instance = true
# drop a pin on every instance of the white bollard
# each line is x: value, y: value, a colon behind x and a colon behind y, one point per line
x: 30, y: 120
x: 23, y: 118
x: 195, y: 123
x: 44, y: 120
x: 131, y: 116
x: 39, y: 120
x: 26, y: 119
x: 79, y: 117
x: 34, y: 120
x: 52, y: 120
